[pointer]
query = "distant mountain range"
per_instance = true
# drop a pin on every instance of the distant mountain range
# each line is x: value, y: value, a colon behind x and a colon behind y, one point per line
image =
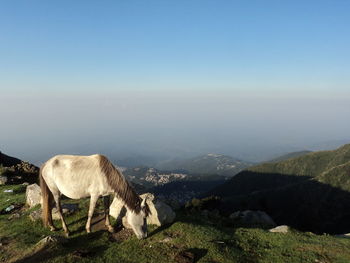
x: 182, y: 180
x: 208, y: 164
x: 310, y: 192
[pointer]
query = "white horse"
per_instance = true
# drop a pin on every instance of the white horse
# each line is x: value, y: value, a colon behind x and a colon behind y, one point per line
x: 89, y: 176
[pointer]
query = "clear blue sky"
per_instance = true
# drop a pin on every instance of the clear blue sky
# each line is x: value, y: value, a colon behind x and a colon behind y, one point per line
x: 157, y: 74
x: 280, y: 45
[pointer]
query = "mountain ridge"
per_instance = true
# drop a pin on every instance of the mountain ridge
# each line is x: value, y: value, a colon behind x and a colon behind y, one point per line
x: 310, y: 192
x: 206, y: 164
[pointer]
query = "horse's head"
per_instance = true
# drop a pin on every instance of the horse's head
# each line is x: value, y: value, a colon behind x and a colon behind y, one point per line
x: 138, y: 220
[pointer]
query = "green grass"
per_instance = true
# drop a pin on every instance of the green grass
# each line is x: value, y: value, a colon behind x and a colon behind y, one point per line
x: 204, y: 238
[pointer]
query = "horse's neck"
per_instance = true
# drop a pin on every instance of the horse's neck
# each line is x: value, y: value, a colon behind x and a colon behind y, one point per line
x: 120, y: 203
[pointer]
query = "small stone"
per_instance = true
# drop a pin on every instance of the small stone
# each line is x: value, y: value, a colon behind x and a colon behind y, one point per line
x: 35, y: 215
x: 50, y: 240
x: 280, y: 229
x: 66, y: 210
x: 166, y: 240
x: 14, y: 216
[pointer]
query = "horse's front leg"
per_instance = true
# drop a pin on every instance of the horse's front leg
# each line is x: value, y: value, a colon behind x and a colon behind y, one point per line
x: 57, y: 198
x: 106, y: 204
x: 93, y: 200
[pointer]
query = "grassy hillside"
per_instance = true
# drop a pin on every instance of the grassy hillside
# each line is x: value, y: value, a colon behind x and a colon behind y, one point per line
x: 338, y: 176
x: 207, y: 164
x: 312, y: 164
x: 192, y: 238
x: 310, y: 192
x: 289, y: 156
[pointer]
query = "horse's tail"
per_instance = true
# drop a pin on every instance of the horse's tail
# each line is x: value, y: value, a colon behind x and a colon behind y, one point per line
x: 47, y: 200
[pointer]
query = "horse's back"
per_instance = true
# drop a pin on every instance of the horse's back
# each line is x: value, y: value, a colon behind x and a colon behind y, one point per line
x: 75, y: 176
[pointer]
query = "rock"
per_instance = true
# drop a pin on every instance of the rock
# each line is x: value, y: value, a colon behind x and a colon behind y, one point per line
x: 166, y: 240
x: 35, y: 215
x: 280, y: 229
x: 66, y: 210
x: 253, y: 217
x: 161, y: 213
x: 14, y: 216
x: 3, y: 179
x: 33, y: 195
x: 50, y: 240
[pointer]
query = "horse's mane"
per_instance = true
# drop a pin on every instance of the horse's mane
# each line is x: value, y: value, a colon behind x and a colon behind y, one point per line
x: 120, y: 185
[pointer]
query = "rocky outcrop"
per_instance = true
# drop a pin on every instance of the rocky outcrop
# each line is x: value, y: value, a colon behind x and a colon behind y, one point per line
x: 18, y: 171
x: 161, y: 213
x: 33, y: 195
x: 249, y: 217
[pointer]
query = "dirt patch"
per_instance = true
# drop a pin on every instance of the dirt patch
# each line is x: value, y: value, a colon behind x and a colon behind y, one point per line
x: 171, y: 234
x: 121, y: 235
x: 185, y: 257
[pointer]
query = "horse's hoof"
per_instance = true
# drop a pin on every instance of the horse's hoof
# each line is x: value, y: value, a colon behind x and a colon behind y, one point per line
x: 53, y: 229
x: 88, y: 231
x: 66, y: 234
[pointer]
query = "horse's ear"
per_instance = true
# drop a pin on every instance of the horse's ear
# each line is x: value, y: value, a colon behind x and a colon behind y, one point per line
x: 146, y: 209
x: 143, y: 203
x: 144, y: 206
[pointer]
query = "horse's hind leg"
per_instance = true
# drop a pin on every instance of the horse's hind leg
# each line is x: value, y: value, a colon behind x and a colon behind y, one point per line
x: 106, y: 204
x: 93, y: 200
x: 57, y: 198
